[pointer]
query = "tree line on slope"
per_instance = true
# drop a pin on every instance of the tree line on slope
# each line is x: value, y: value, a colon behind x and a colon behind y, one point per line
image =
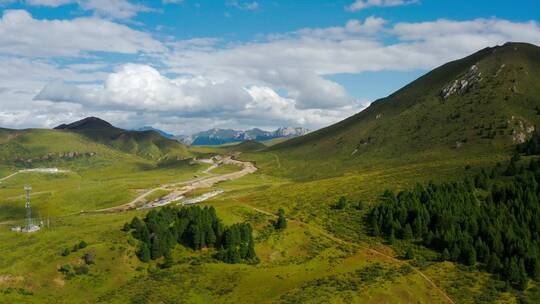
x: 196, y: 228
x: 493, y: 218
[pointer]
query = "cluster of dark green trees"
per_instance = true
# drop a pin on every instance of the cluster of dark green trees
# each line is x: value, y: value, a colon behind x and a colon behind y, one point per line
x: 194, y: 227
x: 493, y: 218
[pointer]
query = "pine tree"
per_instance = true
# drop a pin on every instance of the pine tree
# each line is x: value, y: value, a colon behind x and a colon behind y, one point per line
x: 195, y: 234
x: 211, y: 237
x: 455, y: 253
x: 409, y: 254
x: 144, y: 252
x: 126, y: 227
x: 375, y: 226
x: 234, y: 255
x: 281, y: 222
x: 445, y: 255
x: 391, y: 238
x: 156, y: 248
x: 251, y: 250
x: 523, y: 281
x: 243, y: 250
x: 533, y: 267
x: 523, y: 278
x: 469, y: 256
x: 407, y: 232
x: 341, y: 203
x: 168, y: 260
x: 144, y: 234
x: 136, y: 223
x: 494, y: 263
x: 512, y: 271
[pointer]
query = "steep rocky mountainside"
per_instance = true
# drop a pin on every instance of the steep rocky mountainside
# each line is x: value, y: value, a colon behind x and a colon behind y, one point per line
x: 484, y: 103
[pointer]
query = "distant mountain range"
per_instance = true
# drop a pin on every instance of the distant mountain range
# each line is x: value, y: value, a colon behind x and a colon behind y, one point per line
x: 225, y: 136
x: 210, y: 137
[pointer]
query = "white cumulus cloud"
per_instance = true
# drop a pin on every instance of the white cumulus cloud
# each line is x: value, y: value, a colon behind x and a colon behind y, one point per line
x: 141, y: 88
x: 21, y: 34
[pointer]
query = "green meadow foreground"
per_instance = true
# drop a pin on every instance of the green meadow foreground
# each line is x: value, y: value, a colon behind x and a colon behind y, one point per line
x: 328, y: 184
x: 290, y: 260
x: 325, y: 255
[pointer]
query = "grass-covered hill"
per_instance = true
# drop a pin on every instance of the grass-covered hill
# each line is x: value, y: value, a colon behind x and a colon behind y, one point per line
x: 147, y: 144
x: 37, y: 147
x: 246, y: 146
x: 89, y: 136
x: 95, y: 154
x: 477, y: 106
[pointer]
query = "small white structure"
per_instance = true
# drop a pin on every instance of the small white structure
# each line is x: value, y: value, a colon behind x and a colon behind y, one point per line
x: 32, y: 228
x: 206, y: 161
x: 162, y: 202
x: 201, y: 198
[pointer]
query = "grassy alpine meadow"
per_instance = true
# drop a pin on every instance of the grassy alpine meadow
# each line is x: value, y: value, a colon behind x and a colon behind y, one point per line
x: 313, y: 203
x: 325, y: 255
x: 291, y: 261
x: 88, y: 188
x: 296, y: 259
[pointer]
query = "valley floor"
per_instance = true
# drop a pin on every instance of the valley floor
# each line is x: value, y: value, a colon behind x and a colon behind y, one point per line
x: 324, y: 256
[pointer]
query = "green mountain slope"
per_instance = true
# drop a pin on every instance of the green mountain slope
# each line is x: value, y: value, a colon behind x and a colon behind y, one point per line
x: 147, y: 144
x: 87, y: 141
x: 479, y: 105
x: 246, y: 146
x: 34, y: 145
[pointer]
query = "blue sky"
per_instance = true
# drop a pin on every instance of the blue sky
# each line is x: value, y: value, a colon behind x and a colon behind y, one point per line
x: 190, y: 65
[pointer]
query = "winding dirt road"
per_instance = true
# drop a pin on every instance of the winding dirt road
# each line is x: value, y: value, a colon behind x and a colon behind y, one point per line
x: 187, y: 186
x: 9, y: 176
